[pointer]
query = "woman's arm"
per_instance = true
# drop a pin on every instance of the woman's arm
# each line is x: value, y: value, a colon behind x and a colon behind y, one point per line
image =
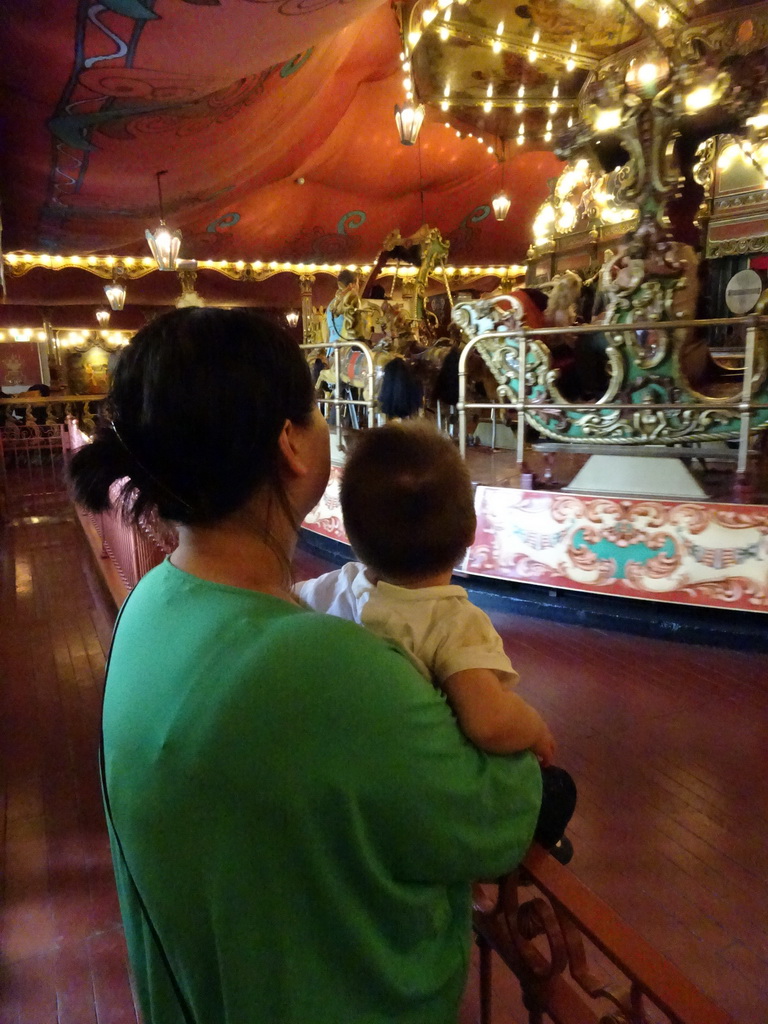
x: 495, y: 719
x: 432, y: 805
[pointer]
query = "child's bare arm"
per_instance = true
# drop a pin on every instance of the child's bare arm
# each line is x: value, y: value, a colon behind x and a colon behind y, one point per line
x: 495, y: 719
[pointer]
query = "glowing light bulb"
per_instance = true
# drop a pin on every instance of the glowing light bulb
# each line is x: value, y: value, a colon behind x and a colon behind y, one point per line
x: 496, y: 46
x: 533, y: 56
x: 429, y: 15
x: 663, y: 18
x: 489, y: 91
x: 444, y: 105
x: 536, y: 37
x: 443, y: 33
x: 607, y: 120
x: 570, y: 64
x: 518, y: 108
x: 647, y: 74
x: 500, y: 28
x: 521, y: 91
x: 726, y: 158
x: 487, y: 106
x: 700, y: 98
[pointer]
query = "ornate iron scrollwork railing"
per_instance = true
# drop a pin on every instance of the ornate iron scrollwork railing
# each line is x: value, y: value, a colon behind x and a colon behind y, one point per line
x: 548, y: 928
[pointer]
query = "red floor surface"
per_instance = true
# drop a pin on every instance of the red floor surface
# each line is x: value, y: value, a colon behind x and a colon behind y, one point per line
x: 667, y: 743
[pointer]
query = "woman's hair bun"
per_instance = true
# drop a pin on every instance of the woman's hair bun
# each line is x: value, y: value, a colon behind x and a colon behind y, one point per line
x: 95, y: 467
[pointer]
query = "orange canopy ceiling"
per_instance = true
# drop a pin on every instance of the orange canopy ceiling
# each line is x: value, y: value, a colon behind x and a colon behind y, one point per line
x: 273, y: 118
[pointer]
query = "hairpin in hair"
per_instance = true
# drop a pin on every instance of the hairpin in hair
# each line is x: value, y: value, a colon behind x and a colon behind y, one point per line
x: 129, y: 451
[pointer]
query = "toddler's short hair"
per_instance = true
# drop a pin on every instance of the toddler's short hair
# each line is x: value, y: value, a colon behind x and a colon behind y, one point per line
x: 407, y: 501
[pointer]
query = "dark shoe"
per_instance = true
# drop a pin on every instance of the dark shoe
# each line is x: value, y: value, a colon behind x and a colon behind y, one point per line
x: 563, y: 850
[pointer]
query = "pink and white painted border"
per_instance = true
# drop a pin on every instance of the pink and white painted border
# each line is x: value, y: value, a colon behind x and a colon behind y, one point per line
x: 706, y: 554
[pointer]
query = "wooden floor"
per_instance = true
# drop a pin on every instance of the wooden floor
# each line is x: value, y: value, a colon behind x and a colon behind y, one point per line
x: 667, y: 743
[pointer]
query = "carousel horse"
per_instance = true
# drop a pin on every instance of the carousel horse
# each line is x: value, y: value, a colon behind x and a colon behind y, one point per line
x: 383, y: 327
x: 390, y: 329
x: 578, y: 363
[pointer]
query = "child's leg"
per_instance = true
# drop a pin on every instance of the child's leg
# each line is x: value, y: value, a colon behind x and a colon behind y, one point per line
x: 558, y: 802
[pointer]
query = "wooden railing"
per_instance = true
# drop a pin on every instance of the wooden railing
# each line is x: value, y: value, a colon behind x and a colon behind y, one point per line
x: 22, y: 409
x: 576, y: 960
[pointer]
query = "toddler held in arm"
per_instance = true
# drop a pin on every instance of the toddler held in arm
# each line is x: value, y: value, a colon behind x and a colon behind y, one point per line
x: 408, y: 508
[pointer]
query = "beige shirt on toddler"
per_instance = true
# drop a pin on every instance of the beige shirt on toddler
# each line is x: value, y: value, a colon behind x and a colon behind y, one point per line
x: 438, y: 627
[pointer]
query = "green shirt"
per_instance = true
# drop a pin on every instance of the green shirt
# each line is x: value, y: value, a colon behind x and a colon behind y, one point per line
x: 299, y: 812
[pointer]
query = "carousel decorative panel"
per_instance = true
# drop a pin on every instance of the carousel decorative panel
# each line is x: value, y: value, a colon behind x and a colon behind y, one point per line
x: 683, y: 552
x: 689, y: 553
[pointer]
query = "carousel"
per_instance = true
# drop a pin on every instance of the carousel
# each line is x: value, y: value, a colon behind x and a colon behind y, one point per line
x: 556, y: 249
x: 629, y: 369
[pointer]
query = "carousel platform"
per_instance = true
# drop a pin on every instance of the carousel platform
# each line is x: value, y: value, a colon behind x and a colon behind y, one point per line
x: 653, y: 564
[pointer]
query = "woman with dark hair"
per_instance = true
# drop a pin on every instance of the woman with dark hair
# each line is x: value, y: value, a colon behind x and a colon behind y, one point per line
x: 294, y: 817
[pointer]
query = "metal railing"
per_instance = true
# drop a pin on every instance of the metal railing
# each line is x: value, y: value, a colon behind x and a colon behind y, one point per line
x: 368, y: 401
x: 742, y: 404
x: 32, y: 473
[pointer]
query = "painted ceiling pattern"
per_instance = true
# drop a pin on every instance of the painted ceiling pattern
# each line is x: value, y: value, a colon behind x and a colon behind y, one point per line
x: 274, y: 121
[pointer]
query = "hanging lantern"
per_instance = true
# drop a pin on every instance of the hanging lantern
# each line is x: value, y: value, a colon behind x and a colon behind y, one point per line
x: 292, y: 317
x: 163, y: 243
x: 115, y: 293
x: 164, y: 246
x: 501, y: 201
x: 102, y: 315
x: 409, y: 120
x: 501, y: 204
